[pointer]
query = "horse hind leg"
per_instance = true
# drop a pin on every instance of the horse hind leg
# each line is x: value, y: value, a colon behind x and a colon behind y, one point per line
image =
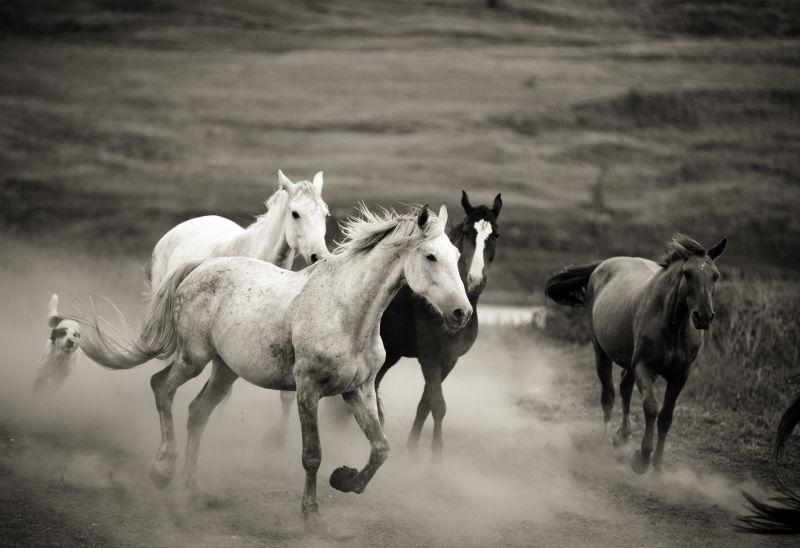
x: 276, y: 436
x: 605, y: 374
x: 214, y: 391
x: 164, y: 384
x: 623, y: 433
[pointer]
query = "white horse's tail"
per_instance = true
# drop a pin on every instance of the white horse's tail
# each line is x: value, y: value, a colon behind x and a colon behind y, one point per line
x: 157, y: 338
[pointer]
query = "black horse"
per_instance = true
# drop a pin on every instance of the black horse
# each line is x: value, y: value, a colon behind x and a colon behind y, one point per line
x: 782, y: 515
x: 409, y: 328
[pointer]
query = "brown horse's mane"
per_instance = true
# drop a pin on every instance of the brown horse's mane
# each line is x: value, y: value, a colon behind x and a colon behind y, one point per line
x: 679, y: 248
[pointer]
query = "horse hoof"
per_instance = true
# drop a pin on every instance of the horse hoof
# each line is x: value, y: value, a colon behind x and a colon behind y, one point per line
x: 619, y: 439
x: 162, y: 473
x: 343, y: 479
x: 314, y: 523
x: 639, y: 464
x: 275, y: 438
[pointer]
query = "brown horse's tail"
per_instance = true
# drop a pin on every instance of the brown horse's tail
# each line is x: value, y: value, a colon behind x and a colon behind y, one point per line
x: 157, y: 338
x: 568, y: 287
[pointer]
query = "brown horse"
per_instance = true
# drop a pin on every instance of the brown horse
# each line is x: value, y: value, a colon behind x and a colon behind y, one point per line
x: 639, y: 313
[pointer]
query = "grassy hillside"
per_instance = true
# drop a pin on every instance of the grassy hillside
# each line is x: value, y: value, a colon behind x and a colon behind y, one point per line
x: 605, y: 126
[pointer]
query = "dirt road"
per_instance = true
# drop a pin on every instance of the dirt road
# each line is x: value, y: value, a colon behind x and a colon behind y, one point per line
x: 525, y: 465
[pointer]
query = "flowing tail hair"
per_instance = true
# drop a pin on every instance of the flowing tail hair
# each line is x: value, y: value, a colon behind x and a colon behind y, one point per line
x: 157, y: 338
x: 568, y: 287
x: 781, y: 515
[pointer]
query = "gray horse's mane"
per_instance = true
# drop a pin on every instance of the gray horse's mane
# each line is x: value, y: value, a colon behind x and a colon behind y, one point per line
x: 679, y: 248
x: 387, y: 227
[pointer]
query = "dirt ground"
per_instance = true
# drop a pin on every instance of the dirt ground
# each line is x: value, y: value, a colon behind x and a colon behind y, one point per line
x: 525, y: 463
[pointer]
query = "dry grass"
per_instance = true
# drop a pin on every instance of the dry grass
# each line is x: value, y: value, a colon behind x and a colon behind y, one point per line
x: 753, y: 348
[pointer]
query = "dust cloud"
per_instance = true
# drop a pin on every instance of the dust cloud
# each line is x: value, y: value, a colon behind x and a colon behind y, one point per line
x: 524, y: 462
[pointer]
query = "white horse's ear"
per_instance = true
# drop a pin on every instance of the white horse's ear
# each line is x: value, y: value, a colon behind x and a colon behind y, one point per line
x: 285, y: 183
x: 443, y: 216
x: 53, y: 306
x: 317, y: 182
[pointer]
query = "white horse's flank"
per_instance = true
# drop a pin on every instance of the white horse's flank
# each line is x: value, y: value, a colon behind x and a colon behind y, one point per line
x: 316, y: 331
x: 294, y: 222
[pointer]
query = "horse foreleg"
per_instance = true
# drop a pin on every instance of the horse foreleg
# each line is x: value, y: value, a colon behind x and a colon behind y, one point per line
x: 623, y: 433
x: 423, y: 408
x: 214, y: 391
x: 671, y: 394
x: 276, y: 436
x: 644, y: 380
x: 308, y: 395
x: 433, y: 382
x: 364, y: 404
x: 164, y: 384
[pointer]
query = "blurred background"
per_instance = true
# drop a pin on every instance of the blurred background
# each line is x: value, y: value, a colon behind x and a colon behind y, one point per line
x: 606, y: 124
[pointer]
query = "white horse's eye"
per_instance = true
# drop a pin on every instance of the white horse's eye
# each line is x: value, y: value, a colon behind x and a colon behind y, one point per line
x: 431, y: 257
x: 295, y: 215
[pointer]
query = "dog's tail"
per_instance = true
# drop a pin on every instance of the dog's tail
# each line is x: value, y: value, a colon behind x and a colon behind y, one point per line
x: 568, y: 287
x: 157, y: 338
x: 52, y: 310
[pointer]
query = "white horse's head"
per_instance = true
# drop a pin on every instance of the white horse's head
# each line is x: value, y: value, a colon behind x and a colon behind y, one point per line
x: 305, y: 216
x: 431, y: 270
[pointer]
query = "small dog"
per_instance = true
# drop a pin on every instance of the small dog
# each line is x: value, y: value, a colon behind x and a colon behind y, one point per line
x: 60, y: 351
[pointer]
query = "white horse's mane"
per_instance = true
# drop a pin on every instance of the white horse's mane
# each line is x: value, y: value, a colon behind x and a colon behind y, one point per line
x: 303, y: 187
x: 367, y: 229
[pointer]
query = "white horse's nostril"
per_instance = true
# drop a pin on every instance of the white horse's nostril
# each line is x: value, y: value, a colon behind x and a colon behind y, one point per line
x: 314, y: 258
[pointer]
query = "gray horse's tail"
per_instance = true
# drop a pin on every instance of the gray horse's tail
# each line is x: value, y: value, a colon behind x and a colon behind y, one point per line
x: 157, y: 338
x: 568, y: 287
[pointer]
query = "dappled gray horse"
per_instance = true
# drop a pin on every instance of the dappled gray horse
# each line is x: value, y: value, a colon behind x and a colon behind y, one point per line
x: 316, y: 331
x: 645, y: 317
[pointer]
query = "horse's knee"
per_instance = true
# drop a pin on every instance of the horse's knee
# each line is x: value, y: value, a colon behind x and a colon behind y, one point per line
x: 311, y: 462
x: 438, y: 407
x: 380, y: 450
x: 650, y: 408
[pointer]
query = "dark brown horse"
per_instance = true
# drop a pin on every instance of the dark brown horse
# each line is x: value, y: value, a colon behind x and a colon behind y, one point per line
x: 781, y: 516
x: 639, y: 313
x: 410, y: 328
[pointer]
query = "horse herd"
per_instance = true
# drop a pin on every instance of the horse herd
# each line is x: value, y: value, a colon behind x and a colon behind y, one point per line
x: 399, y: 284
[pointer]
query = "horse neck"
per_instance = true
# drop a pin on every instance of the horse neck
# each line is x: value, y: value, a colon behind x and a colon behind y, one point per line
x: 367, y: 283
x: 265, y: 239
x: 671, y: 296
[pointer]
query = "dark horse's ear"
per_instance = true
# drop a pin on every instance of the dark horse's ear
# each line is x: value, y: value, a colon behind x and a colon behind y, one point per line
x: 717, y: 250
x: 422, y: 219
x: 497, y: 206
x: 54, y: 321
x: 465, y: 202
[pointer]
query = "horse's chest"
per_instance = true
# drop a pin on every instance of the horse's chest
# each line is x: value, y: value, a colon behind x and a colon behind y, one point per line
x: 674, y: 356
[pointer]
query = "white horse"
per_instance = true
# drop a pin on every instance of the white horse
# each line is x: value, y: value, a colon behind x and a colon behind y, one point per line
x: 294, y: 221
x: 316, y: 331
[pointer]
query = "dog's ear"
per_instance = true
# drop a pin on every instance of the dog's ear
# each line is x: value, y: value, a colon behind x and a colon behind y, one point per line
x: 54, y: 321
